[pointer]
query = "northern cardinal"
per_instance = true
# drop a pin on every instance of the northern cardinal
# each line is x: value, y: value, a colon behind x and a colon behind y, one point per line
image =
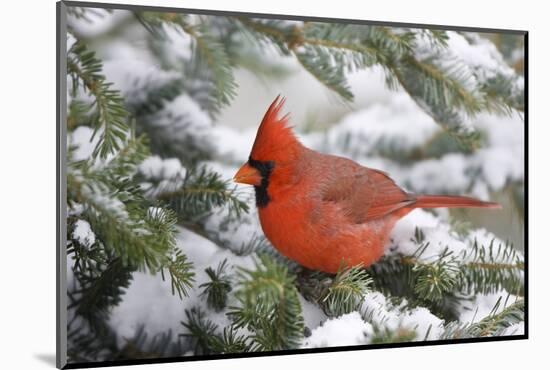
x: 324, y: 211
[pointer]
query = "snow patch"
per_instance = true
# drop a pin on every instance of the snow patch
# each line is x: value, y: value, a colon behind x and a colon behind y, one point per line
x: 134, y: 77
x: 397, y: 124
x: 383, y: 315
x: 154, y: 167
x: 346, y: 330
x: 515, y: 329
x: 483, y: 304
x: 83, y: 233
x: 81, y: 139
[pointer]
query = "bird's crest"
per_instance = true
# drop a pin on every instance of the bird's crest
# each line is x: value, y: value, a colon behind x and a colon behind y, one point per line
x: 275, y: 139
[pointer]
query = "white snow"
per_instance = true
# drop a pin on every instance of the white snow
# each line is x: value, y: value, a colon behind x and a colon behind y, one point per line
x: 71, y: 40
x: 133, y: 77
x: 346, y: 330
x: 441, y: 238
x: 99, y: 22
x: 481, y: 55
x: 383, y: 315
x: 483, y: 304
x: 478, y: 55
x: 180, y: 44
x: 81, y: 138
x: 444, y: 175
x: 195, y: 113
x: 438, y: 233
x: 515, y: 329
x: 313, y: 315
x: 396, y: 124
x: 426, y: 325
x: 233, y: 145
x: 83, y: 233
x: 154, y: 167
x: 104, y: 200
x: 183, y: 118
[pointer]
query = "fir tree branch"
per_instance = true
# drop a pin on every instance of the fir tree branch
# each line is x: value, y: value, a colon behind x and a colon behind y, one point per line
x: 346, y: 292
x: 492, y: 325
x: 339, y: 294
x: 325, y: 69
x: 201, y: 192
x: 440, y: 87
x: 132, y: 239
x: 217, y: 289
x: 206, y: 339
x: 211, y: 52
x: 441, y: 282
x: 207, y: 51
x: 491, y: 268
x: 180, y: 271
x: 270, y: 31
x: 270, y: 307
x: 230, y: 342
x: 110, y: 114
x: 98, y: 290
x: 201, y: 331
x: 141, y: 235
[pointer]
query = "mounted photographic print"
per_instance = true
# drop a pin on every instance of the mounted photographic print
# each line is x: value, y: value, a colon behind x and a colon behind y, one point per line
x: 234, y: 184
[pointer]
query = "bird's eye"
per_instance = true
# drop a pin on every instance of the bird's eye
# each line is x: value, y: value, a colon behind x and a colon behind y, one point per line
x: 264, y: 167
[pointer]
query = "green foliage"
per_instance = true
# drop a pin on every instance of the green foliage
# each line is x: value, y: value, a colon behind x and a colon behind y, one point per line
x: 207, y: 51
x: 181, y: 275
x: 210, y: 51
x: 440, y: 282
x: 206, y: 339
x: 345, y: 292
x: 153, y: 97
x: 98, y: 290
x: 201, y: 331
x: 229, y: 341
x: 319, y: 62
x: 435, y: 280
x: 217, y: 289
x: 492, y: 325
x: 139, y: 237
x: 135, y: 230
x: 201, y: 192
x: 254, y: 244
x: 491, y: 268
x: 110, y: 115
x: 269, y: 306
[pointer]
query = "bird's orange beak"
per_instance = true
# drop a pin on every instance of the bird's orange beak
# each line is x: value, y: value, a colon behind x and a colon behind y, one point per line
x: 248, y: 175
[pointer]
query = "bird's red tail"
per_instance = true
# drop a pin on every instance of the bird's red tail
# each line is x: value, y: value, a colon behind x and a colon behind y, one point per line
x: 451, y: 201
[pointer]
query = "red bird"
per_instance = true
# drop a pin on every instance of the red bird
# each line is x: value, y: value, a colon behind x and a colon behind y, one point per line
x: 321, y: 210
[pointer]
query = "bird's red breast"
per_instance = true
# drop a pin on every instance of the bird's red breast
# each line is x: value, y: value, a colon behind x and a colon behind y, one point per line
x: 324, y: 211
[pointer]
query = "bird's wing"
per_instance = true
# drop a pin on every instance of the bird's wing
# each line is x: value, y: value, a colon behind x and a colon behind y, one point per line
x: 364, y: 194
